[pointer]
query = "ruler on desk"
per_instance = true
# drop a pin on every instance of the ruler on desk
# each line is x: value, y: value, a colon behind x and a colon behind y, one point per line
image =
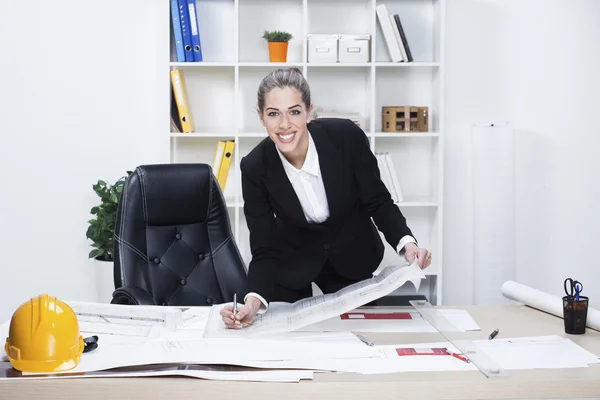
x: 486, y: 365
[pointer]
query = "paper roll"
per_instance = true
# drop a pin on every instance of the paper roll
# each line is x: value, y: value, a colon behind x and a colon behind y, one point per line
x: 543, y: 301
x: 493, y: 211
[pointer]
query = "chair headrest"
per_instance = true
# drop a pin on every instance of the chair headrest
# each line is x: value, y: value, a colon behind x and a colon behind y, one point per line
x: 174, y: 193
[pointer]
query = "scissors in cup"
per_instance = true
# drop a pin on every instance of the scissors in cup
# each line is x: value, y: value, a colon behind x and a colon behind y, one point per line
x: 573, y: 288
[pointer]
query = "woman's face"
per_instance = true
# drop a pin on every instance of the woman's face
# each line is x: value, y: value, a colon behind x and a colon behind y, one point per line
x: 285, y: 117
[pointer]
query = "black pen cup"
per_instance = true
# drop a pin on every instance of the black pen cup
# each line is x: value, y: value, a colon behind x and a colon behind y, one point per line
x: 575, y: 314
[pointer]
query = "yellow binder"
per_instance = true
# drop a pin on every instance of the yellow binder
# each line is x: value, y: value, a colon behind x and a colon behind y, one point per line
x: 181, y: 98
x: 218, y: 158
x: 225, y: 163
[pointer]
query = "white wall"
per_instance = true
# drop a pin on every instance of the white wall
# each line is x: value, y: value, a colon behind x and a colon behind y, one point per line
x: 83, y: 94
x: 534, y: 63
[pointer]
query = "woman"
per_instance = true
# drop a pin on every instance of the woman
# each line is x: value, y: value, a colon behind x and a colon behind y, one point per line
x: 310, y: 190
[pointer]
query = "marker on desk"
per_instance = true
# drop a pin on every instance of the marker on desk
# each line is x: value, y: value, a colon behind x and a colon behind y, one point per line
x: 459, y: 356
x: 493, y: 334
x: 365, y: 340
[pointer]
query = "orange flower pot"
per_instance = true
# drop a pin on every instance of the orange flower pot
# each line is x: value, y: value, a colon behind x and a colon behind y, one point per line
x: 278, y: 51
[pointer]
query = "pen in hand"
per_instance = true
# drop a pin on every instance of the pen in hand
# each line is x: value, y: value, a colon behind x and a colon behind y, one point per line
x: 234, y: 305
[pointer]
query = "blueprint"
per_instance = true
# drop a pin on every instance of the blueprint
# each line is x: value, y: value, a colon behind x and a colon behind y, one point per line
x: 286, y: 317
x: 124, y: 320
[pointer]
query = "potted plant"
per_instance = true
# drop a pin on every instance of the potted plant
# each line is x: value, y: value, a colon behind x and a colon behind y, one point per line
x: 278, y: 45
x: 101, y: 232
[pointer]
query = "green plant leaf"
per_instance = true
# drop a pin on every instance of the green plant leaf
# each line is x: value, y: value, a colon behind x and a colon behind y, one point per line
x: 100, y: 230
x: 277, y: 36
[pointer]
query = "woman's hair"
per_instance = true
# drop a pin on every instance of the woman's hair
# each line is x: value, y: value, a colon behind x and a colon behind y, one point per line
x: 281, y: 78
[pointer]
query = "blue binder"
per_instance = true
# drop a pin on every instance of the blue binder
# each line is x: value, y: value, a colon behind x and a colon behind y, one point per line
x: 177, y: 31
x: 195, y: 31
x: 186, y: 34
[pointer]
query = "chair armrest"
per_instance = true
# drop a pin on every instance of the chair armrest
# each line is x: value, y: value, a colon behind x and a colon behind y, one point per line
x: 132, y: 296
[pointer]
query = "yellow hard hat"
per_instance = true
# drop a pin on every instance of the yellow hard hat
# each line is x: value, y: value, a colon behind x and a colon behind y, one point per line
x: 44, y: 336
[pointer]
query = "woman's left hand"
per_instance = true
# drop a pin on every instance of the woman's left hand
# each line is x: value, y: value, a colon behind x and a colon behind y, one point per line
x: 411, y: 251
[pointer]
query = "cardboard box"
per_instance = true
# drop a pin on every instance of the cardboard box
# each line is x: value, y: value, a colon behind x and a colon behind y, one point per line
x: 405, y: 119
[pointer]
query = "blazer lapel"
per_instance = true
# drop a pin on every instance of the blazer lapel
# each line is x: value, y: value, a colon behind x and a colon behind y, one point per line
x: 330, y: 161
x: 281, y: 188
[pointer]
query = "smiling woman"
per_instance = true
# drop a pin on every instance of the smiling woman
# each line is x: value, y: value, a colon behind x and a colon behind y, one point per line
x: 313, y: 202
x: 284, y: 108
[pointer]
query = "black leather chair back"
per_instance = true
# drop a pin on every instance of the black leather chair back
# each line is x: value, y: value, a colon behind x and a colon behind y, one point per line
x: 173, y: 239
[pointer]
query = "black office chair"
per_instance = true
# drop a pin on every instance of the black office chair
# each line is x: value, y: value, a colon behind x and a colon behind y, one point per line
x: 173, y: 240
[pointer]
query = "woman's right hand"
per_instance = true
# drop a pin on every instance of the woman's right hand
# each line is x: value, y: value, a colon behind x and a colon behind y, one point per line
x: 244, y: 315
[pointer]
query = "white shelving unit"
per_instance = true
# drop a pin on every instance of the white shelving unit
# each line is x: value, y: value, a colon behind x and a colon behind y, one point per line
x: 222, y: 95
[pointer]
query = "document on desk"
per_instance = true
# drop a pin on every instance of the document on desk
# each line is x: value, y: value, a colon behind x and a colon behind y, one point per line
x: 391, y: 320
x: 415, y: 357
x: 212, y: 372
x: 286, y: 317
x: 509, y: 354
x: 182, y: 348
x: 124, y: 320
x: 537, y: 352
x: 194, y: 318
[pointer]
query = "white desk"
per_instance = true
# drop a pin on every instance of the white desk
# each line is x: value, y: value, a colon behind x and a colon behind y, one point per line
x: 512, y: 320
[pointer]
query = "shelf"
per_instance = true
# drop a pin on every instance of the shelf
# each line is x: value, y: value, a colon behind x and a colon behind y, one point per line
x: 302, y: 64
x: 417, y: 203
x: 404, y: 134
x: 413, y: 64
x: 338, y: 65
x: 222, y: 93
x: 231, y: 203
x: 270, y: 64
x: 203, y: 64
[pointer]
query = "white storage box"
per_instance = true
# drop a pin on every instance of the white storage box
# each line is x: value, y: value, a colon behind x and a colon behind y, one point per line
x: 354, y: 48
x: 322, y: 48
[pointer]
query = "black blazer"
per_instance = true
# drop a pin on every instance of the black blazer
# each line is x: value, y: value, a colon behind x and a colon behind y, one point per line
x: 288, y: 250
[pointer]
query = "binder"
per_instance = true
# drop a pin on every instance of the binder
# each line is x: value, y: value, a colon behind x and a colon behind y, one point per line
x: 394, y: 175
x: 396, y: 29
x: 176, y: 23
x: 218, y: 158
x: 181, y: 98
x: 175, y: 122
x: 186, y: 34
x: 403, y: 37
x: 194, y: 31
x: 386, y: 177
x: 225, y: 163
x: 388, y: 33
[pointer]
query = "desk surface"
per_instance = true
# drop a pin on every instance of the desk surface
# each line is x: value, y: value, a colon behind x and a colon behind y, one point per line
x: 513, y: 321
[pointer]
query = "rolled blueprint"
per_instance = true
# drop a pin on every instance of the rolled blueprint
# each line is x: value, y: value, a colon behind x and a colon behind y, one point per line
x: 543, y: 301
